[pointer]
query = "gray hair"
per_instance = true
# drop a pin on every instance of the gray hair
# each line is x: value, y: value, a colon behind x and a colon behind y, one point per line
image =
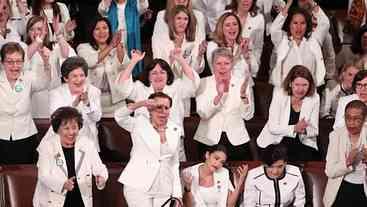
x: 221, y: 52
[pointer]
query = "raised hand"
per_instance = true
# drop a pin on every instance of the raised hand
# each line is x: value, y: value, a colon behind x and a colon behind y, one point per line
x: 116, y: 39
x: 202, y: 47
x: 150, y: 104
x: 45, y: 54
x: 69, y: 184
x: 137, y: 55
x: 240, y: 175
x: 107, y: 3
x: 22, y: 6
x: 56, y: 24
x: 351, y: 156
x: 244, y: 45
x: 187, y: 180
x: 70, y: 25
x: 84, y: 97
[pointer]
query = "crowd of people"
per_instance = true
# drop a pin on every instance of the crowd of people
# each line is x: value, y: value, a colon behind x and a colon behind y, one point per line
x: 47, y: 72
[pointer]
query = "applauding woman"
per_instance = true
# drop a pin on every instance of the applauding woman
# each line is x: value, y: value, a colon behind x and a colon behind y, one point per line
x: 208, y: 184
x: 67, y: 163
x: 152, y: 173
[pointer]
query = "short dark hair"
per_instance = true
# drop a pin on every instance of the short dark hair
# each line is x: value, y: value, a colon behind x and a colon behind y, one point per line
x: 164, y: 65
x: 161, y: 95
x: 299, y: 71
x: 357, y: 104
x: 217, y: 148
x: 292, y: 12
x: 356, y: 42
x: 72, y: 63
x: 362, y: 74
x: 93, y: 25
x: 9, y: 48
x: 273, y: 153
x: 64, y: 114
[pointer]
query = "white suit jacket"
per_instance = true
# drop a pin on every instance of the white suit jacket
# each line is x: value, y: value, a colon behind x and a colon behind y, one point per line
x: 284, y: 44
x: 181, y: 89
x: 336, y: 167
x: 52, y: 172
x: 228, y: 116
x: 221, y: 182
x: 15, y: 105
x: 161, y: 30
x: 277, y: 126
x: 40, y: 101
x: 339, y: 116
x: 111, y: 66
x: 254, y: 29
x: 144, y: 163
x: 61, y: 96
x: 261, y: 190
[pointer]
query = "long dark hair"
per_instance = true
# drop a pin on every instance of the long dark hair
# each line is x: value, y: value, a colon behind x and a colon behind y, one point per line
x: 37, y: 6
x: 93, y: 25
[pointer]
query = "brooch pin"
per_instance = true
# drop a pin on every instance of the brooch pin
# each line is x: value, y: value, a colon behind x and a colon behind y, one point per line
x: 219, y: 186
x: 59, y: 161
x: 18, y: 88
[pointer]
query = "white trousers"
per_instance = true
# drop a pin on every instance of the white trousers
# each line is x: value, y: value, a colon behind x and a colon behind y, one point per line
x: 137, y: 198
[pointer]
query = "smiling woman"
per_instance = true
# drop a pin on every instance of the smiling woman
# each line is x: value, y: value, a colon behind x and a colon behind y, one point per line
x: 17, y: 129
x: 294, y: 116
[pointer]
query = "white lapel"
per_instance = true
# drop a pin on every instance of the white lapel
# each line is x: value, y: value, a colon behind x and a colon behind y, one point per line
x: 58, y: 156
x: 172, y: 133
x: 149, y: 135
x: 79, y: 155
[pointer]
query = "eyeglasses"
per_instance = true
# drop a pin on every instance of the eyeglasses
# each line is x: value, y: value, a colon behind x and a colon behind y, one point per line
x: 361, y: 85
x: 14, y: 62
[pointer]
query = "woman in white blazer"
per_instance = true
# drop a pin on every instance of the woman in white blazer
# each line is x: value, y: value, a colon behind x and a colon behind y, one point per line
x: 161, y: 27
x: 346, y: 160
x: 106, y: 57
x: 294, y: 116
x: 223, y: 102
x: 208, y: 184
x: 253, y: 27
x: 274, y: 183
x: 38, y: 44
x: 17, y: 129
x: 67, y: 163
x: 55, y: 12
x: 158, y: 76
x: 182, y: 34
x: 78, y: 93
x: 152, y: 174
x: 359, y: 86
x: 296, y: 45
x: 228, y: 34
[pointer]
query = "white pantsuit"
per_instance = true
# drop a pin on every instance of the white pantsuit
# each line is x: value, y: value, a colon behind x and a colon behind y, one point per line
x: 52, y: 172
x: 144, y: 164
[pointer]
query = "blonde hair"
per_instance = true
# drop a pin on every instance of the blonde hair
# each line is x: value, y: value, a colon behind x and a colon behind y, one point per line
x: 218, y: 35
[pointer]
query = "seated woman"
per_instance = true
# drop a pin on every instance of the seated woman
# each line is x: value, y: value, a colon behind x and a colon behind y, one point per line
x: 331, y: 96
x: 158, y: 77
x: 67, y: 163
x: 208, y: 184
x: 346, y: 160
x: 274, y: 183
x: 359, y: 87
x: 223, y: 102
x: 106, y: 57
x: 294, y: 116
x: 18, y: 133
x: 76, y: 92
x: 296, y: 45
x: 152, y: 174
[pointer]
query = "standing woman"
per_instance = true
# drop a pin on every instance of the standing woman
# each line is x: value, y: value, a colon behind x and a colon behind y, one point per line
x: 76, y: 92
x: 67, y: 163
x: 152, y: 174
x: 182, y: 36
x: 55, y: 12
x: 224, y: 101
x: 294, y: 116
x: 161, y: 27
x: 291, y: 35
x: 208, y: 184
x: 228, y: 34
x: 253, y: 26
x: 38, y: 44
x: 158, y: 77
x: 17, y: 129
x: 346, y: 160
x: 106, y: 57
x: 274, y: 183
